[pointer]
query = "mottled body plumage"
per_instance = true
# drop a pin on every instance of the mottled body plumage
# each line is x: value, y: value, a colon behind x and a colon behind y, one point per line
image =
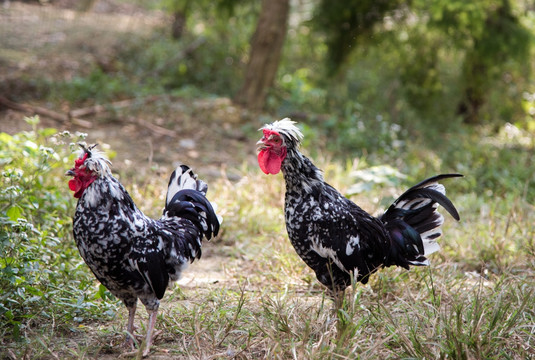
x: 331, y: 234
x: 132, y: 255
x: 334, y: 236
x: 120, y: 244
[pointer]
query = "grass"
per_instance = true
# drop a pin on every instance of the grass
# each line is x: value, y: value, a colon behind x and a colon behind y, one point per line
x: 476, y: 301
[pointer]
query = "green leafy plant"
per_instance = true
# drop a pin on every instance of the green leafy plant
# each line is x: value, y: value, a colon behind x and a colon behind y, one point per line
x: 41, y: 274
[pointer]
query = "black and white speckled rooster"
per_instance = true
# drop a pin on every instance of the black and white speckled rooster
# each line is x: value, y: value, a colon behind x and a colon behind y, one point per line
x: 335, y: 237
x: 133, y: 256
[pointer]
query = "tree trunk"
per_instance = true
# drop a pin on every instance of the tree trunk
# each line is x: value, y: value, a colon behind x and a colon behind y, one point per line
x: 470, y: 105
x: 179, y: 24
x: 264, y: 58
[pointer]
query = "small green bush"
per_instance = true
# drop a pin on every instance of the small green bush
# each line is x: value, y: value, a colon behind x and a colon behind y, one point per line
x: 42, y: 276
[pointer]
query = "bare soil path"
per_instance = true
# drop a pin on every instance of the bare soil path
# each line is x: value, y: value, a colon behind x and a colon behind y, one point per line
x: 59, y: 43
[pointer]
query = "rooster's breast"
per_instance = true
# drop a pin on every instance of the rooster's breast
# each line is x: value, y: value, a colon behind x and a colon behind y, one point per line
x: 105, y: 239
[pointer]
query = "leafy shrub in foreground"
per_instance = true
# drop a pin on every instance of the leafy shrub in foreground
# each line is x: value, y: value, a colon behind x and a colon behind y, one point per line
x: 41, y: 274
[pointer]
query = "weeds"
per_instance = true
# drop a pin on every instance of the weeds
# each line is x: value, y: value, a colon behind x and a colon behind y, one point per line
x: 41, y: 275
x: 475, y: 301
x: 476, y: 322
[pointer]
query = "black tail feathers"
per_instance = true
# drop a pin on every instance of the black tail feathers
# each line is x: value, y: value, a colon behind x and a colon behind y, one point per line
x: 413, y: 222
x: 186, y: 198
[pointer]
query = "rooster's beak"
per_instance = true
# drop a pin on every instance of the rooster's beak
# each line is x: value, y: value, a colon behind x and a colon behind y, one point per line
x: 70, y: 173
x: 260, y: 145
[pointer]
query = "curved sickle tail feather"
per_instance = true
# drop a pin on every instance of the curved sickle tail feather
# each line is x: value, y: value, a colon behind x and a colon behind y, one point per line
x: 186, y: 198
x: 413, y: 222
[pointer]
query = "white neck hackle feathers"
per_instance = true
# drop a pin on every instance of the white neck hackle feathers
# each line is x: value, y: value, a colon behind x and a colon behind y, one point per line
x: 286, y: 128
x: 96, y: 161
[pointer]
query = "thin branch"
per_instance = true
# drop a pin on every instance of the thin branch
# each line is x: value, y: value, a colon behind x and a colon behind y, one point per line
x: 63, y: 118
x: 98, y: 109
x: 154, y: 128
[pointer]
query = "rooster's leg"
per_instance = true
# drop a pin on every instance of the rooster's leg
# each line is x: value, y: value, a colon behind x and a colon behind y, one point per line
x: 130, y: 326
x: 150, y: 329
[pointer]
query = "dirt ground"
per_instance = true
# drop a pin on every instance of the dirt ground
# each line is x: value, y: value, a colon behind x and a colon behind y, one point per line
x: 206, y: 133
